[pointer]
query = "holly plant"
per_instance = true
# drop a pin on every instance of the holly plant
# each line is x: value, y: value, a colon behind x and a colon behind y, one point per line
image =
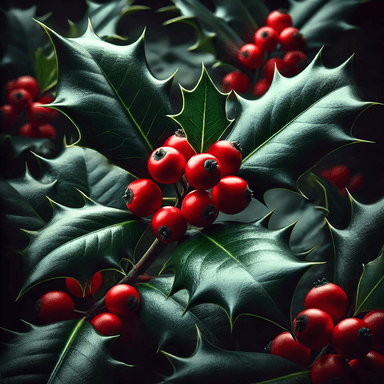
x: 198, y: 244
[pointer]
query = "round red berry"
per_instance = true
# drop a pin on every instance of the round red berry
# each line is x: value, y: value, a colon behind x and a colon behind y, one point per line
x: 29, y: 83
x: 352, y: 338
x: 340, y: 175
x: 168, y: 224
x: 180, y: 142
x: 75, y: 289
x: 356, y: 183
x: 55, y: 306
x: 166, y: 165
x: 143, y: 197
x: 313, y: 328
x: 251, y: 56
x: 122, y: 300
x: 261, y: 87
x: 28, y: 130
x: 269, y: 68
x: 46, y: 131
x: 232, y: 194
x: 107, y: 324
x: 37, y: 114
x: 266, y: 38
x: 295, y: 62
x: 331, y: 368
x: 20, y: 99
x: 229, y: 155
x: 237, y: 81
x: 375, y: 321
x: 200, y: 208
x: 279, y: 20
x: 9, y: 116
x: 284, y: 345
x: 372, y: 362
x: 291, y: 39
x: 203, y: 171
x: 328, y: 297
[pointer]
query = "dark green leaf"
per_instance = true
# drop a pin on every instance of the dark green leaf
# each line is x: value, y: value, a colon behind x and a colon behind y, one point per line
x: 63, y: 352
x: 285, y: 133
x: 370, y: 292
x: 45, y: 70
x: 203, y: 116
x: 109, y: 93
x: 241, y: 267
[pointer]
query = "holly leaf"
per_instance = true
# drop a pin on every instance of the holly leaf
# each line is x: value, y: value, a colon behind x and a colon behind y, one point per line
x: 370, y: 292
x: 241, y: 267
x: 203, y: 117
x: 66, y: 351
x: 322, y: 21
x: 78, y: 242
x: 285, y: 133
x: 45, y: 70
x: 166, y: 319
x: 110, y: 95
x: 210, y: 364
x: 357, y: 244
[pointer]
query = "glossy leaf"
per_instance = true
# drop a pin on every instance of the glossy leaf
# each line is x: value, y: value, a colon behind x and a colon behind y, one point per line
x: 357, y: 244
x: 285, y: 133
x: 78, y: 242
x: 69, y: 351
x: 203, y: 117
x: 240, y: 267
x: 210, y: 364
x: 109, y: 93
x: 370, y: 292
x: 45, y: 70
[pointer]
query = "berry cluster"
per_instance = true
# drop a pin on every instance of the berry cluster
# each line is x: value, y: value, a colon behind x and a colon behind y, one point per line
x: 213, y: 170
x: 354, y: 341
x: 340, y: 176
x: 278, y: 33
x: 25, y: 106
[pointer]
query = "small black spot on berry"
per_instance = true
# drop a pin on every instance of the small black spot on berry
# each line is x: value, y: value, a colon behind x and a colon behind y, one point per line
x: 321, y: 282
x: 209, y: 212
x: 268, y: 347
x: 159, y: 154
x: 237, y: 145
x: 211, y: 165
x: 301, y: 323
x: 180, y: 133
x: 264, y: 35
x: 38, y: 306
x: 164, y: 233
x: 132, y: 303
x: 245, y: 54
x: 128, y: 196
x: 248, y: 194
x: 364, y: 335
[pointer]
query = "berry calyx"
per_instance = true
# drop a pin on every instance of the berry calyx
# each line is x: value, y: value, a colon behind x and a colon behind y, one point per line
x: 122, y: 300
x: 266, y: 38
x: 166, y: 165
x: 28, y: 83
x: 232, y: 194
x: 331, y: 368
x: 269, y: 68
x: 291, y: 39
x: 229, y: 155
x: 295, y: 62
x: 279, y: 20
x: 284, y: 345
x: 251, y: 56
x: 168, y: 224
x: 180, y: 142
x: 203, y: 171
x: 313, y: 328
x: 261, y: 87
x: 107, y: 324
x: 75, y: 289
x: 55, y: 306
x: 352, y: 338
x: 328, y: 297
x: 375, y: 321
x: 200, y: 208
x: 143, y: 197
x: 20, y: 99
x: 236, y: 81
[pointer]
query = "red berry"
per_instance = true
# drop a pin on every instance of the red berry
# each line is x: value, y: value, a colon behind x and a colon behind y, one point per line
x: 284, y: 345
x: 55, y: 306
x: 38, y: 115
x: 180, y: 142
x: 328, y: 297
x: 269, y: 68
x: 107, y: 324
x: 295, y: 62
x: 166, y: 165
x: 251, y: 56
x: 352, y: 338
x: 203, y: 171
x: 46, y: 131
x: 75, y: 289
x: 313, y: 328
x: 291, y: 39
x: 261, y: 87
x: 279, y: 20
x: 232, y: 194
x: 375, y: 321
x: 122, y: 300
x: 46, y: 99
x: 340, y: 175
x: 237, y: 81
x: 168, y: 224
x: 28, y: 130
x: 356, y: 183
x: 20, y: 99
x: 10, y: 86
x: 266, y: 38
x: 143, y: 197
x: 28, y: 83
x: 200, y: 208
x: 331, y: 368
x: 229, y: 155
x: 9, y: 116
x: 373, y: 361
